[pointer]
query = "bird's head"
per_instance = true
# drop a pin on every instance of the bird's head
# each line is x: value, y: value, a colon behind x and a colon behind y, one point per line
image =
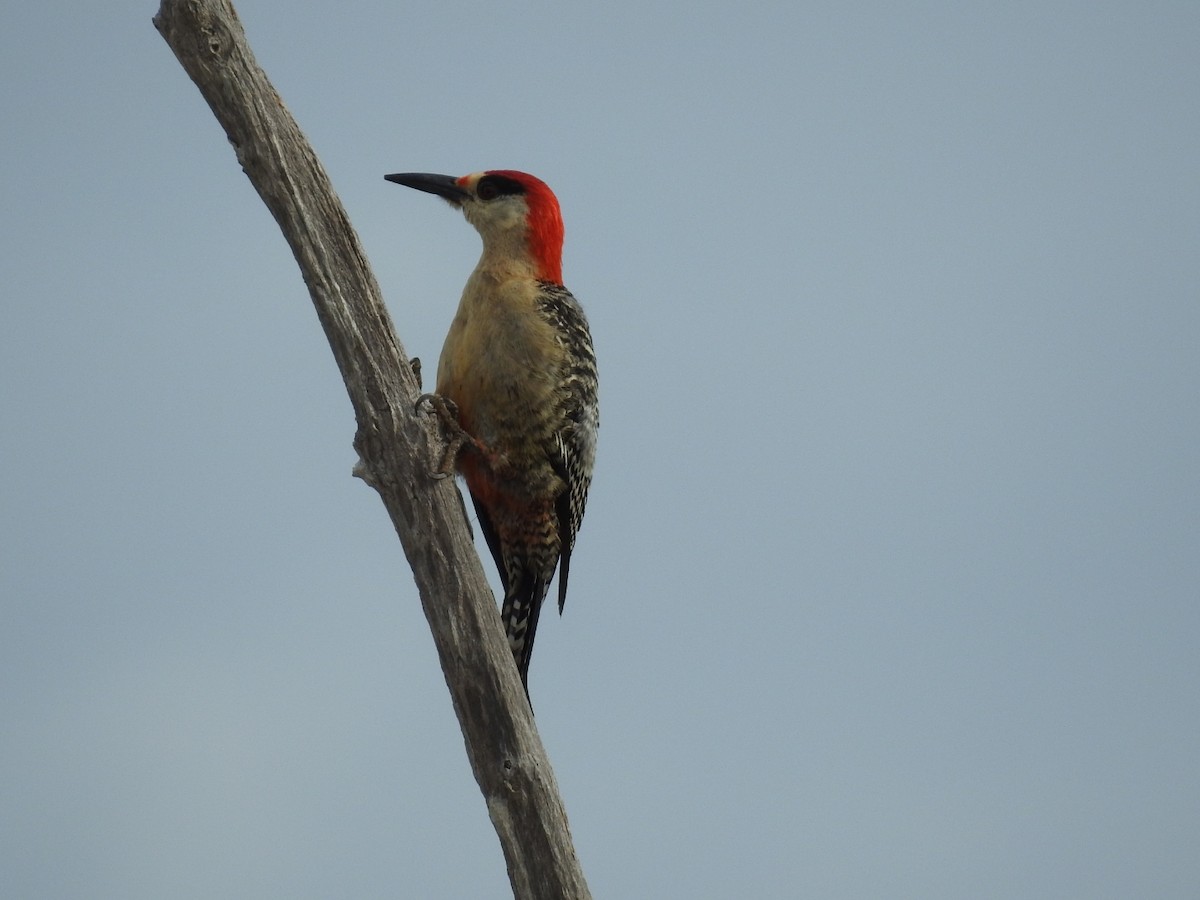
x: 515, y: 213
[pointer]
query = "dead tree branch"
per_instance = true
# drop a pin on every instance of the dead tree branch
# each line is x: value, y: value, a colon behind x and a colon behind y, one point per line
x: 396, y: 447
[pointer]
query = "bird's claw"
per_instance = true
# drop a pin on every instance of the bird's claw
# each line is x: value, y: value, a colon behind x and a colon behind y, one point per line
x: 421, y: 401
x: 452, y: 431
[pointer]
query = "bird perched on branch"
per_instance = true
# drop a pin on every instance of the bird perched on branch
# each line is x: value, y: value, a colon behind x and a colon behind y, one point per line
x: 517, y: 390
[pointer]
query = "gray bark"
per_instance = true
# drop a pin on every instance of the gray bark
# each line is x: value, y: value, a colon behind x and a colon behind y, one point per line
x: 397, y: 448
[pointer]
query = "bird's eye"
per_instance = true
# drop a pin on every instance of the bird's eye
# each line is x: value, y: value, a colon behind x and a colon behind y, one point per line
x: 492, y: 186
x: 487, y: 189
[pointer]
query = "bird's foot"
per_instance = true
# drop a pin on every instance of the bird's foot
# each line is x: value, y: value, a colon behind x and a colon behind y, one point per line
x: 453, y: 433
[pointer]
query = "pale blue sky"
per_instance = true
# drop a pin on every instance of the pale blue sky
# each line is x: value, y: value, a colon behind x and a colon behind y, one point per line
x: 888, y: 583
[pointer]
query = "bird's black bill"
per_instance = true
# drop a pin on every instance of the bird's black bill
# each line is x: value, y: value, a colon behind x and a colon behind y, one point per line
x: 444, y: 186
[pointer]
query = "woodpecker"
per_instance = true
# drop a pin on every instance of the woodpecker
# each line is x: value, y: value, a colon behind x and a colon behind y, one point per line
x: 517, y: 381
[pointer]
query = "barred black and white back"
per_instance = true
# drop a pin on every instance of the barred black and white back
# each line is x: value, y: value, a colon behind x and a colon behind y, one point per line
x: 527, y: 566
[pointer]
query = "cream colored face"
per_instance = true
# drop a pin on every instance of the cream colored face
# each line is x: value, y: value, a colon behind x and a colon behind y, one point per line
x: 493, y: 214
